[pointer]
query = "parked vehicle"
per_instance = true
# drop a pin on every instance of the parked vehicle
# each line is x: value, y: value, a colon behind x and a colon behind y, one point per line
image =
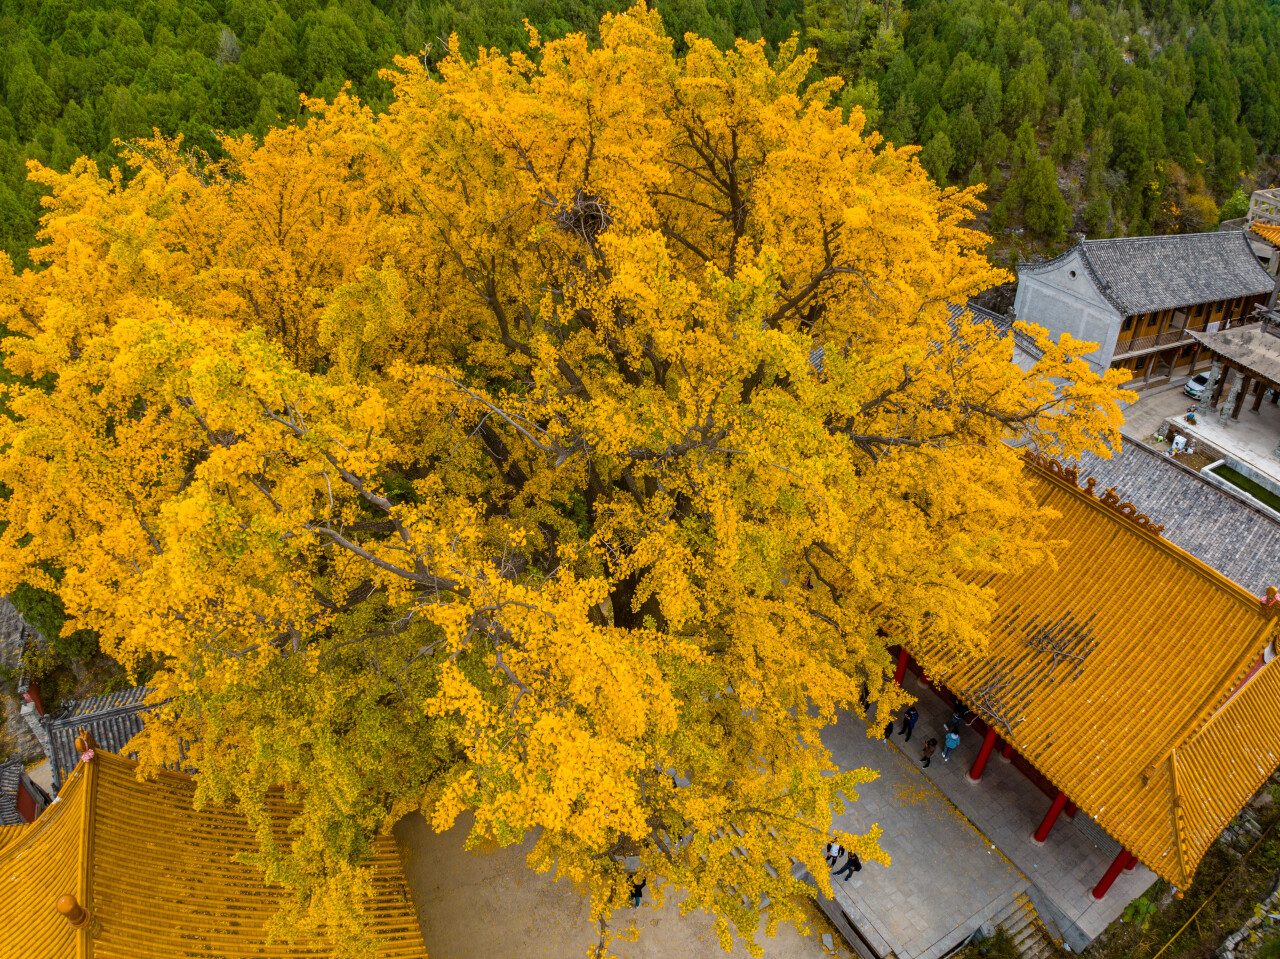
x: 1196, y: 385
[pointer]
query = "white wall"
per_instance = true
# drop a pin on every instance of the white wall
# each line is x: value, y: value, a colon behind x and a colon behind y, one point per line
x: 1064, y: 299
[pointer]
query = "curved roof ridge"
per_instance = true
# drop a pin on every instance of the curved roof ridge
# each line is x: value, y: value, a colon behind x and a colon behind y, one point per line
x: 1039, y: 266
x: 1139, y: 522
x: 1231, y: 536
x: 162, y: 878
x: 1094, y: 684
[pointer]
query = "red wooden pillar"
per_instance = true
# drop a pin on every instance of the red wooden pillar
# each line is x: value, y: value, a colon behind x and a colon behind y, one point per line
x: 32, y: 695
x: 26, y: 803
x: 901, y: 671
x: 1108, y: 877
x: 979, y: 764
x: 1133, y: 861
x: 1051, y: 817
x: 1071, y: 810
x: 1006, y: 752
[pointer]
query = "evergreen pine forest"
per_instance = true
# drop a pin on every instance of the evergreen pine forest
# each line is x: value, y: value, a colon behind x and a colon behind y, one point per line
x: 1107, y: 119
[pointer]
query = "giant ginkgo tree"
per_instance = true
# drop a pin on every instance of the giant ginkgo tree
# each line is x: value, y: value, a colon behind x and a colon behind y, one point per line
x: 502, y: 454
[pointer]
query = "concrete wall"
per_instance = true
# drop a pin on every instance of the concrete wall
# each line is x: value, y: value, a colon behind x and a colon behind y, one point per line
x: 1064, y: 299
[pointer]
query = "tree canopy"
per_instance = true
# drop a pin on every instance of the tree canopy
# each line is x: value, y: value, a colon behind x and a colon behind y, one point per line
x: 564, y: 444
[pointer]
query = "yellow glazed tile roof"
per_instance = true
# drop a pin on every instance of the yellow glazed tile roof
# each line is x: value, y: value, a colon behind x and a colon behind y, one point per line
x: 1113, y: 674
x: 38, y: 863
x: 1268, y: 231
x: 157, y: 877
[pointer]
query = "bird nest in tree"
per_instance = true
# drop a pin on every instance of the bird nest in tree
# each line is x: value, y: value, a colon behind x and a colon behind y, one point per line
x: 586, y: 215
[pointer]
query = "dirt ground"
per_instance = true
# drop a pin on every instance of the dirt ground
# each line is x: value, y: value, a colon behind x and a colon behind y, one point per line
x: 490, y: 905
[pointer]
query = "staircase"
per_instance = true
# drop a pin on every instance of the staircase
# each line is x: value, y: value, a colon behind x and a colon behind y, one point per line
x: 1021, y: 921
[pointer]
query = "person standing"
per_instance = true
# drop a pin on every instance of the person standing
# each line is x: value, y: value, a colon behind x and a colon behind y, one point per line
x: 834, y: 852
x: 929, y: 747
x: 909, y: 719
x: 849, y: 868
x: 951, y: 741
x: 637, y: 890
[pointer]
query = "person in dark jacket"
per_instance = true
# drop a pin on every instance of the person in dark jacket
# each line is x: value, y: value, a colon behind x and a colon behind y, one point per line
x: 929, y: 747
x: 849, y: 868
x: 909, y: 719
x: 637, y: 890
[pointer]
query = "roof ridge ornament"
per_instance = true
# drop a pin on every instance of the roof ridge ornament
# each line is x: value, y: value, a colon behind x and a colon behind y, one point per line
x: 75, y: 914
x: 1271, y: 602
x: 1048, y: 464
x: 1110, y: 498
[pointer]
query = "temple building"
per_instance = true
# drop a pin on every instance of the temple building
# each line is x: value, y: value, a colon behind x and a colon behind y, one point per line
x: 1262, y: 227
x: 21, y: 799
x: 1154, y: 728
x: 1141, y: 299
x: 122, y: 869
x: 111, y: 719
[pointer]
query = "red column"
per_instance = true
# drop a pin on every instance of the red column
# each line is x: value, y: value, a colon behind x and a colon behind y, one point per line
x: 32, y: 695
x: 1108, y: 877
x: 1071, y: 810
x: 1051, y: 817
x: 1006, y: 752
x: 901, y: 671
x: 1133, y: 861
x: 984, y: 754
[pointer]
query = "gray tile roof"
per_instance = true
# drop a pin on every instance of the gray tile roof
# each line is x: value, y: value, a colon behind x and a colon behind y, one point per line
x: 112, y: 720
x: 1001, y: 322
x: 1139, y: 274
x: 1256, y: 347
x: 10, y: 776
x: 1240, y: 542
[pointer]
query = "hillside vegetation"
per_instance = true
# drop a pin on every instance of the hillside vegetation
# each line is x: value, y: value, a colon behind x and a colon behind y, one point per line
x: 1146, y: 117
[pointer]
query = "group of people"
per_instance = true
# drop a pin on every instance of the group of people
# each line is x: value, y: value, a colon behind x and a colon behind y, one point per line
x: 836, y: 852
x: 852, y: 864
x: 950, y: 739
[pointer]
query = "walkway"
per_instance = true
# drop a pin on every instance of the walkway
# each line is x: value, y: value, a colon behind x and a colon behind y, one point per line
x: 945, y: 878
x: 487, y: 903
x: 1144, y: 417
x: 1007, y: 807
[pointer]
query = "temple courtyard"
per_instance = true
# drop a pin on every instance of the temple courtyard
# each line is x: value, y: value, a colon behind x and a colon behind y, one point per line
x: 946, y: 878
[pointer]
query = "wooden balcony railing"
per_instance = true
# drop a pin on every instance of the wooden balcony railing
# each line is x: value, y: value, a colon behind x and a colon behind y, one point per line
x: 1140, y: 343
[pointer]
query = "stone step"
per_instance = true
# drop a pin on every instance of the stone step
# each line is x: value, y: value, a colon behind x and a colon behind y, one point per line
x: 1023, y: 925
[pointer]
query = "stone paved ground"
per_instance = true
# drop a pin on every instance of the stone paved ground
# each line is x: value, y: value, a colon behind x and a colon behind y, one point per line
x: 42, y: 775
x: 1153, y: 407
x: 489, y: 905
x: 1252, y: 438
x: 1008, y: 807
x: 945, y: 878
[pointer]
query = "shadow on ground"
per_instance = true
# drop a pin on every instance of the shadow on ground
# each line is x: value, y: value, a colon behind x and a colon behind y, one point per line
x: 490, y: 905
